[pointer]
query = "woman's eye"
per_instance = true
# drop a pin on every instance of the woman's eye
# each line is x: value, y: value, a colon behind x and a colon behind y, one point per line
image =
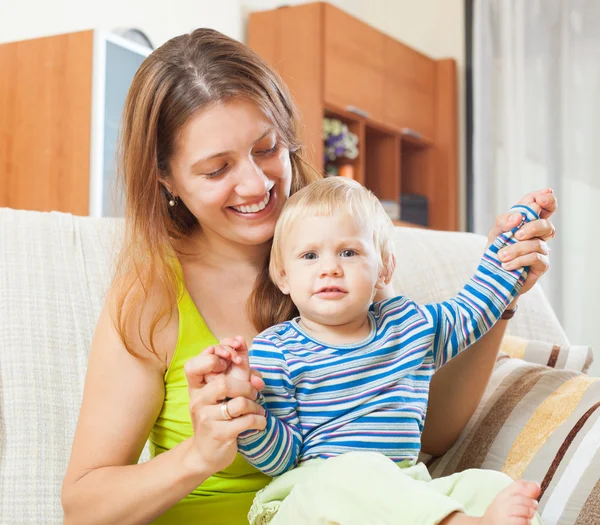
x: 310, y: 256
x: 216, y: 173
x: 267, y: 152
x: 348, y: 253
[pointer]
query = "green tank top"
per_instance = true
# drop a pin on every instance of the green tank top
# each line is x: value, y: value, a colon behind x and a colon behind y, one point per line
x: 225, y: 498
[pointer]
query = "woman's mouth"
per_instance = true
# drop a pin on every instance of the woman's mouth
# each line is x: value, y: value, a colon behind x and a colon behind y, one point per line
x: 256, y: 209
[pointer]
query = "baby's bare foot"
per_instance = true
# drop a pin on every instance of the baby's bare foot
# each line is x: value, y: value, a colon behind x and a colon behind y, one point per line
x: 515, y: 505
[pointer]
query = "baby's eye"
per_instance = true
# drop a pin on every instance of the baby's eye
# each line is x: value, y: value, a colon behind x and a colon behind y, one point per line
x: 348, y: 253
x: 310, y: 256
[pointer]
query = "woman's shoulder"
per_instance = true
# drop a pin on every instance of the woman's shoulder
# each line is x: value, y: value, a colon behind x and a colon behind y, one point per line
x: 144, y: 316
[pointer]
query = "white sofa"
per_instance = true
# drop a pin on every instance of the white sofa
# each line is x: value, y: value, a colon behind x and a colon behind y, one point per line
x: 54, y: 271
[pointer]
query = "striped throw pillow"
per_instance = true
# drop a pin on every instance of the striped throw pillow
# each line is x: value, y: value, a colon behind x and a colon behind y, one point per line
x: 537, y: 423
x: 575, y: 358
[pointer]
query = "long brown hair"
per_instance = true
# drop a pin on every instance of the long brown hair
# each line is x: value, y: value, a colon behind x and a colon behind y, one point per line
x: 187, y: 74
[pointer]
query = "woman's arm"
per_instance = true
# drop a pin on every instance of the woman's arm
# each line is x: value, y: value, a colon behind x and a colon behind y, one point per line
x: 457, y: 388
x: 123, y: 396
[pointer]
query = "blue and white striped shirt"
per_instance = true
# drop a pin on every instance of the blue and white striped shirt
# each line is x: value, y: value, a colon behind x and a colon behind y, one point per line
x: 322, y: 401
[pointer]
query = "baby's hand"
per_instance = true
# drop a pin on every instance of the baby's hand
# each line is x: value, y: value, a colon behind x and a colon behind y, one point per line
x: 235, y: 352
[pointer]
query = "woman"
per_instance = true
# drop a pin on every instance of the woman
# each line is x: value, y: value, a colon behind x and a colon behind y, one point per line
x: 210, y: 152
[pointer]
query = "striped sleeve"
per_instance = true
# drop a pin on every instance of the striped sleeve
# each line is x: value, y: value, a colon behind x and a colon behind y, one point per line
x: 479, y: 305
x: 275, y: 449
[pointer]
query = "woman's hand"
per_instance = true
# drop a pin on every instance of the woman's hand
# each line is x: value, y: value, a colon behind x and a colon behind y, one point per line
x: 532, y: 249
x: 221, y: 407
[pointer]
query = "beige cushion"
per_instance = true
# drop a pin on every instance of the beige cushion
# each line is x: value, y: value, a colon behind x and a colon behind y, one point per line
x: 54, y: 271
x: 542, y: 424
x: 433, y: 266
x: 574, y: 358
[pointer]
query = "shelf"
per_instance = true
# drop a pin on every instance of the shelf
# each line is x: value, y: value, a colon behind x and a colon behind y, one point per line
x: 382, y: 163
x: 415, y: 140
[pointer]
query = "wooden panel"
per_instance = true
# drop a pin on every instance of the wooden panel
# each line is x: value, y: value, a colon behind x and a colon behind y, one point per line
x: 264, y: 36
x: 409, y: 89
x: 444, y: 175
x: 354, y: 65
x: 382, y: 168
x: 45, y: 112
x: 291, y: 40
x: 416, y: 162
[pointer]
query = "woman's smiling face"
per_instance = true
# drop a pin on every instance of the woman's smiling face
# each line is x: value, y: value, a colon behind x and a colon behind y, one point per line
x: 232, y: 171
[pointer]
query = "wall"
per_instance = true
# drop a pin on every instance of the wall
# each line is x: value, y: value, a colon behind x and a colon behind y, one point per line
x: 158, y: 19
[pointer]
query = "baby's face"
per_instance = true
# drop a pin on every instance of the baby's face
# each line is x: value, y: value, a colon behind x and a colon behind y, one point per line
x: 331, y: 268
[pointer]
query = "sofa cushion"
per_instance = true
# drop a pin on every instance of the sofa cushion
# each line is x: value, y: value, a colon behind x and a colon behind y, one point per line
x: 54, y: 272
x: 537, y: 423
x: 435, y: 265
x: 561, y: 357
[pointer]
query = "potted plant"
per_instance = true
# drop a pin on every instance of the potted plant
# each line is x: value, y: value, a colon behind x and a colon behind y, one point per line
x: 339, y: 144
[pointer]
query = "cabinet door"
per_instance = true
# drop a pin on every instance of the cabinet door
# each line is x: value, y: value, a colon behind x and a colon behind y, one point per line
x: 354, y: 64
x: 409, y: 89
x: 45, y: 99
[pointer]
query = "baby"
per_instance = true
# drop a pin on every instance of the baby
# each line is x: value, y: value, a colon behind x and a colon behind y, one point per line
x: 347, y: 382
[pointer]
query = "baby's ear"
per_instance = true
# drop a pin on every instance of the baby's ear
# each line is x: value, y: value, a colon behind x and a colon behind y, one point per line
x: 386, y: 273
x: 282, y: 282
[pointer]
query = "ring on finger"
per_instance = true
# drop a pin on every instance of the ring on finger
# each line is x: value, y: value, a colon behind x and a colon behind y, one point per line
x: 225, y: 411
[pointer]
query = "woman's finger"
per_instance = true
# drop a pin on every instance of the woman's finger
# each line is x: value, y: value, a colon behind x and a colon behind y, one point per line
x: 537, y: 262
x: 247, y: 422
x: 543, y: 229
x: 535, y: 207
x: 205, y: 363
x: 505, y: 222
x: 223, y: 387
x: 548, y: 203
x: 240, y: 406
x: 530, y: 197
x: 523, y: 248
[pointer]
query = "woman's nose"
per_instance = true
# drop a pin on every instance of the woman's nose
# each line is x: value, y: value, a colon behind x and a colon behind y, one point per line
x: 252, y: 180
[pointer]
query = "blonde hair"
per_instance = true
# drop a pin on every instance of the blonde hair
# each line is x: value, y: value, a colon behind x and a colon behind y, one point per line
x: 187, y: 74
x: 327, y: 197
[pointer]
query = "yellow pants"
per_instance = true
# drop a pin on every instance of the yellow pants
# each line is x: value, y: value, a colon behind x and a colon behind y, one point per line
x: 365, y: 488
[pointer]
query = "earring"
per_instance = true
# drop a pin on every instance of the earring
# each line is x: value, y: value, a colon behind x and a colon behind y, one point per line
x: 173, y: 201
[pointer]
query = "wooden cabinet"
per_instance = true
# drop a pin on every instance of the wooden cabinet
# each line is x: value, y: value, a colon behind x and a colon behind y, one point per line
x: 409, y: 89
x: 60, y: 107
x: 354, y: 70
x: 401, y: 103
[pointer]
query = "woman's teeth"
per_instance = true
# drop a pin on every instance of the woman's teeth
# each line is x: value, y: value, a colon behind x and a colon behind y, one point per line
x: 254, y: 207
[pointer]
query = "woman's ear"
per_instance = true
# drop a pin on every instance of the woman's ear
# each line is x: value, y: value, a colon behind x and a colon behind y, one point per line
x: 386, y: 273
x: 167, y: 184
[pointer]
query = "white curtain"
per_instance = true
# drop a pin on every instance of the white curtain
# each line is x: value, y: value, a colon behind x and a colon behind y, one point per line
x: 536, y: 71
